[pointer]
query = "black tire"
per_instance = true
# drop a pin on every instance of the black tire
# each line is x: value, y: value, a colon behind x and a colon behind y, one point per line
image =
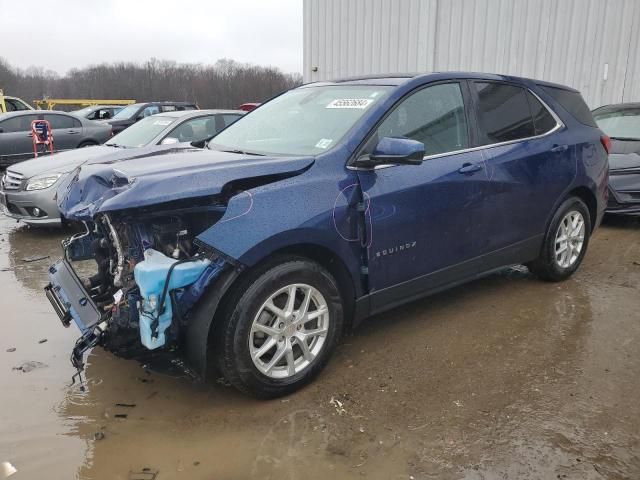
x: 546, y: 266
x: 232, y: 335
x: 87, y: 144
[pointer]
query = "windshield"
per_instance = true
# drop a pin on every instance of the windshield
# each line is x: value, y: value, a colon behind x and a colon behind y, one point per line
x: 83, y: 112
x: 126, y: 112
x: 141, y: 133
x: 305, y: 121
x: 624, y: 123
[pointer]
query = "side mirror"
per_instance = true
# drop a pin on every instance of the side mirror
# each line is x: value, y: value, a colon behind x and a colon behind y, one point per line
x: 199, y: 143
x: 169, y: 141
x: 394, y: 151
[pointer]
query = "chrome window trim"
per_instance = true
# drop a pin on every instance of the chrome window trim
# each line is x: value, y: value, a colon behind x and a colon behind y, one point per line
x: 559, y: 124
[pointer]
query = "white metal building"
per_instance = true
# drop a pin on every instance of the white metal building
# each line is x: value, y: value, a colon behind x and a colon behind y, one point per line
x: 592, y: 45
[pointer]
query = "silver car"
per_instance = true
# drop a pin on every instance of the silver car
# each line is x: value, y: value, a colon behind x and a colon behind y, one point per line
x: 69, y: 132
x: 27, y: 189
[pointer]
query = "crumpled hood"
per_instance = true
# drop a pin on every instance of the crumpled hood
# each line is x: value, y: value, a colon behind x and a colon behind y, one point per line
x: 164, y: 176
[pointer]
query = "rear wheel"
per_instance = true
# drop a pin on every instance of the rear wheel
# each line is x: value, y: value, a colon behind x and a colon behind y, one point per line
x: 565, y: 242
x: 280, y: 328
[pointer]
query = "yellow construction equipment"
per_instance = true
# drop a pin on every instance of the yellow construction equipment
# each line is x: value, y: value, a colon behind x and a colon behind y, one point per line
x: 50, y: 103
x: 15, y: 103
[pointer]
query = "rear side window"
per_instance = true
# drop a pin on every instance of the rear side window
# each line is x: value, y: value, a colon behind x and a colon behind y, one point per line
x: 434, y: 116
x: 543, y: 121
x: 62, y: 121
x: 503, y: 113
x: 573, y: 103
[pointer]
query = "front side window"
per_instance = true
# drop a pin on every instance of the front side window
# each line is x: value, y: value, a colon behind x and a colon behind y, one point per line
x: 15, y: 105
x: 21, y: 123
x: 150, y: 110
x: 229, y: 119
x: 619, y: 124
x: 434, y: 116
x: 127, y: 112
x: 195, y: 129
x: 304, y: 121
x: 141, y: 133
x: 503, y: 113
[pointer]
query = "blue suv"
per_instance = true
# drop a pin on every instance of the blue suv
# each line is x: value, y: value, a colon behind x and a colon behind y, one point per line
x: 332, y: 202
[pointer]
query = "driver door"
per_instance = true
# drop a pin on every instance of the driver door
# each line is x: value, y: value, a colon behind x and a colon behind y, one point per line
x: 421, y: 219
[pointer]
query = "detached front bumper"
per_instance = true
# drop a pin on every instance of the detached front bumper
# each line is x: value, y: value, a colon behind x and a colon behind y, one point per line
x: 624, y: 194
x: 21, y: 204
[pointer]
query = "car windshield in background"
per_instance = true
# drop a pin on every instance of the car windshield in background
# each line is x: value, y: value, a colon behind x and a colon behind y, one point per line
x: 82, y: 112
x: 620, y: 124
x: 126, y: 112
x: 306, y: 121
x: 141, y: 133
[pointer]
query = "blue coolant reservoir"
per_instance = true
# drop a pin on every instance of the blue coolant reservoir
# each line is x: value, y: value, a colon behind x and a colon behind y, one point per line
x: 150, y: 276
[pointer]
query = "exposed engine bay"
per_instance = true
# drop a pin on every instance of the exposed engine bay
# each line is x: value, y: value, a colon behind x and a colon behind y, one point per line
x: 150, y: 272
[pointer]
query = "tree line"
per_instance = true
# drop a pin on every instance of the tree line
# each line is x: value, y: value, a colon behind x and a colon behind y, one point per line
x: 225, y: 84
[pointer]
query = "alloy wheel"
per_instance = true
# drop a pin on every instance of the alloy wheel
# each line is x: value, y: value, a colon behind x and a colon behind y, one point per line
x: 289, y: 331
x: 569, y: 239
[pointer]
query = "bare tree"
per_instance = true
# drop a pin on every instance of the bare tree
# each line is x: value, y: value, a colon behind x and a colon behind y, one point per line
x: 226, y: 84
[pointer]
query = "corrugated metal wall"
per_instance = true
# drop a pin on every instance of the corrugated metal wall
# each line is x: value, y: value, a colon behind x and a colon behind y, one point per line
x: 592, y: 45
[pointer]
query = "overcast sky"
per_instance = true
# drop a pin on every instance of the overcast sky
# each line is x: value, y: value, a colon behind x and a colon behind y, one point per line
x: 64, y: 34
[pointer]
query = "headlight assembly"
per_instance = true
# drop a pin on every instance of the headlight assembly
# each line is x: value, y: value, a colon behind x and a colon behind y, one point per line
x: 43, y: 181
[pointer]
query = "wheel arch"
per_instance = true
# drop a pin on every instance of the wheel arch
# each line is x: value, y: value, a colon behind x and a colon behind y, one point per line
x: 589, y: 198
x: 212, y: 306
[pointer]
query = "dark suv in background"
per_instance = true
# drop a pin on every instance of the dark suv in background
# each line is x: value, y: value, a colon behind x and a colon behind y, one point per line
x: 137, y: 111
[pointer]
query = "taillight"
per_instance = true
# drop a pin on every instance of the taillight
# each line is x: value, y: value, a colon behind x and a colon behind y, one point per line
x: 606, y: 143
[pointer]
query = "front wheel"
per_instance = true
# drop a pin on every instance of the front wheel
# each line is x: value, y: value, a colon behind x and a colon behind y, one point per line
x: 565, y: 242
x: 280, y: 328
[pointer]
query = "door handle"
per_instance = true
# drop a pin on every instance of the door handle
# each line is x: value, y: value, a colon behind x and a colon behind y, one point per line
x: 559, y: 148
x: 72, y: 132
x: 469, y: 168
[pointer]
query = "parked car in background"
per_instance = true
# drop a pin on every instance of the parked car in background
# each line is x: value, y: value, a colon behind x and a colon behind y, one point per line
x: 247, y: 107
x: 137, y: 111
x: 329, y: 203
x: 27, y: 190
x: 12, y: 104
x: 98, y: 112
x: 69, y: 132
x: 622, y: 123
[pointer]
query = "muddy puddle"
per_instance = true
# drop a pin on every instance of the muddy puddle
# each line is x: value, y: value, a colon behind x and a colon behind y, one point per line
x: 507, y: 377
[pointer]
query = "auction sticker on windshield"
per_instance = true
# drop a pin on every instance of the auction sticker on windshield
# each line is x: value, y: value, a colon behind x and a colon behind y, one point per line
x: 163, y: 123
x: 359, y: 103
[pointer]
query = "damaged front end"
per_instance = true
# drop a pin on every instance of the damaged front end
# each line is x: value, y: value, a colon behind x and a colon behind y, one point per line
x: 149, y: 273
x: 142, y: 220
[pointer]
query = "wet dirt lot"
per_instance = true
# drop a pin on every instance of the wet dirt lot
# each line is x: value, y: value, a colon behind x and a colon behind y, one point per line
x: 507, y: 377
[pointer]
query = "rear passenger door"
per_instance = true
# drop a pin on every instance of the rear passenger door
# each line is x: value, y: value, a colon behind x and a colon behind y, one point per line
x: 67, y: 131
x: 529, y: 164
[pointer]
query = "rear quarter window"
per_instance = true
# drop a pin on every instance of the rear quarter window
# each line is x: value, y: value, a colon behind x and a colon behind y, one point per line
x: 573, y: 103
